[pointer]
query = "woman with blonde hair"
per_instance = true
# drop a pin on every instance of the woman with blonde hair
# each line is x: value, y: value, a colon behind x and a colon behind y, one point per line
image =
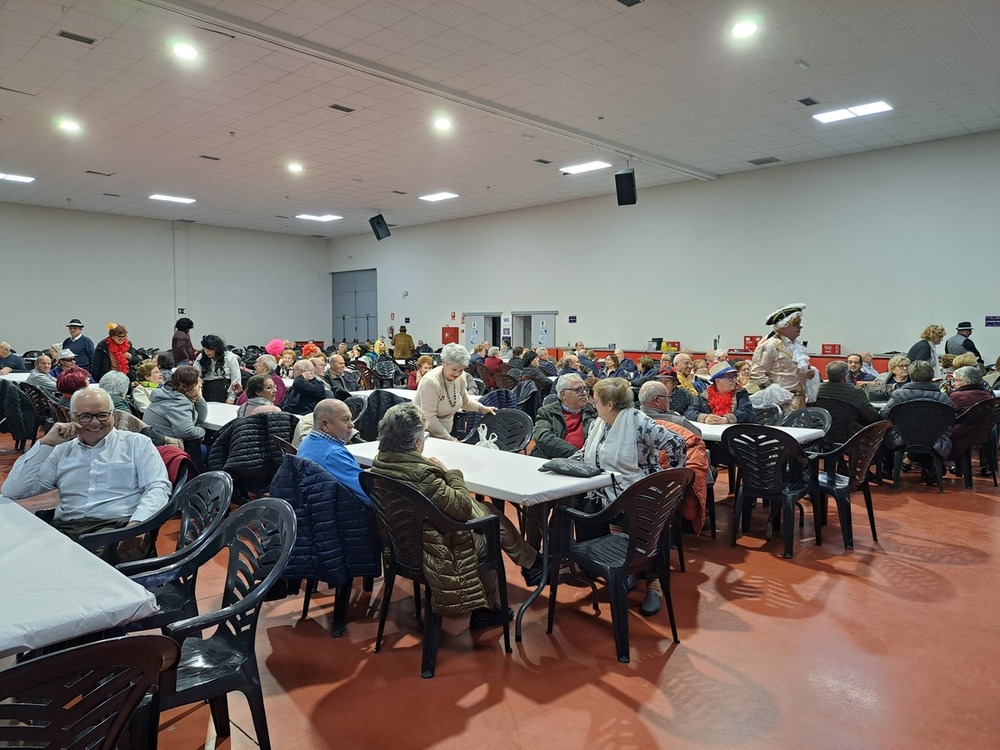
x: 924, y: 350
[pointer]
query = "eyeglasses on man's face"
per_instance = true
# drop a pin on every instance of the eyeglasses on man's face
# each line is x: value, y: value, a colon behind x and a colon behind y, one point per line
x: 101, y: 416
x: 582, y: 390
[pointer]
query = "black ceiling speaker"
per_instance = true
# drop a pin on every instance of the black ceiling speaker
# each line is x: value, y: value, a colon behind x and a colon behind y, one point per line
x: 625, y: 185
x: 381, y: 229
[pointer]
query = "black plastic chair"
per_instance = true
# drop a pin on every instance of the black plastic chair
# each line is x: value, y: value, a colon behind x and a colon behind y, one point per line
x: 41, y: 404
x: 81, y: 698
x: 285, y: 447
x: 357, y: 405
x: 105, y: 543
x: 403, y: 513
x: 854, y: 458
x: 767, y: 414
x: 982, y: 420
x: 527, y: 397
x: 258, y: 537
x: 811, y: 417
x: 505, y: 381
x: 485, y: 374
x: 512, y: 428
x: 645, y: 511
x: 203, y: 503
x: 770, y: 463
x: 920, y: 424
x: 387, y: 374
x: 842, y: 416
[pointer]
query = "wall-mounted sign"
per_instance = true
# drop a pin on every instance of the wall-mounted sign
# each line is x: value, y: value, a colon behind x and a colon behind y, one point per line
x: 572, y: 318
x: 452, y: 315
x: 750, y: 342
x: 992, y: 321
x: 832, y: 350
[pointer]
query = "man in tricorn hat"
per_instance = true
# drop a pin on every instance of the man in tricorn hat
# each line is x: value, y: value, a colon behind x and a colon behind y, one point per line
x: 79, y: 344
x: 960, y: 343
x: 780, y: 358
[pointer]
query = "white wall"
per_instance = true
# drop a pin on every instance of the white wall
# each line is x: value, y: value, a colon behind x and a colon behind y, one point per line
x: 246, y: 286
x: 878, y: 245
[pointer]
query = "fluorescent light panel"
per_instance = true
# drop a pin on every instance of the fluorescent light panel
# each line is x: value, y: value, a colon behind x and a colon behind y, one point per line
x: 171, y: 198
x: 590, y: 166
x: 324, y: 217
x: 16, y: 177
x: 859, y: 111
x: 434, y: 197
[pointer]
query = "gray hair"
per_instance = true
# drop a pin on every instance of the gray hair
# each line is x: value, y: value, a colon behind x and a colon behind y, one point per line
x: 836, y: 372
x: 563, y: 382
x: 493, y: 351
x: 650, y: 390
x: 302, y: 365
x: 455, y: 354
x: 401, y: 428
x: 921, y: 371
x: 114, y: 382
x: 269, y: 361
x: 77, y: 396
x: 971, y: 375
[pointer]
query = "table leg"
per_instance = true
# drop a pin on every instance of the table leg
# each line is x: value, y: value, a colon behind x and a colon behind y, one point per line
x: 544, y: 552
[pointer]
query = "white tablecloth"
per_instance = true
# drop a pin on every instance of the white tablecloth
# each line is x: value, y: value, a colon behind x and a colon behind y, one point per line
x: 52, y: 589
x: 17, y: 377
x: 219, y: 415
x: 712, y: 433
x: 505, y: 476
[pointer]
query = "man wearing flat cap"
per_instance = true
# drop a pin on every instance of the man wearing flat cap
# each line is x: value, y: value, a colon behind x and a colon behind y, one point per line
x: 781, y: 359
x: 960, y: 343
x: 79, y: 344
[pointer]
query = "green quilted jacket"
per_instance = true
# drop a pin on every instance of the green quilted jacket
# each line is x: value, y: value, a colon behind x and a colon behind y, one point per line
x: 450, y: 557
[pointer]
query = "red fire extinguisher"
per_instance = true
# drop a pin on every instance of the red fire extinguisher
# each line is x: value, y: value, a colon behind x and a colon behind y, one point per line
x: 392, y: 331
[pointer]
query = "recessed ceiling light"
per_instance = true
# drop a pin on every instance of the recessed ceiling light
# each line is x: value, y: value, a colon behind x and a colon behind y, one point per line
x: 870, y: 109
x: 70, y: 126
x: 185, y: 51
x: 438, y: 197
x: 442, y: 123
x: 858, y: 111
x: 295, y: 167
x: 835, y: 115
x: 171, y: 198
x: 744, y: 29
x: 589, y: 166
x: 324, y: 217
x: 16, y: 177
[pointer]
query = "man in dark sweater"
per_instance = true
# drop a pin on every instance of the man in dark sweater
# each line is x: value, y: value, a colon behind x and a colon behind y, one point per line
x: 10, y: 362
x: 79, y: 344
x: 836, y: 387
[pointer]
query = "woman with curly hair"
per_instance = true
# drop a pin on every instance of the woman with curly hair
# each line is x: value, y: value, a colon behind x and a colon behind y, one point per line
x: 219, y: 370
x: 924, y: 350
x: 181, y: 346
x: 115, y: 353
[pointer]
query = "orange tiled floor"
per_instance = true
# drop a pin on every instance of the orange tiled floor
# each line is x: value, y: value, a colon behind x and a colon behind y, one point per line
x: 893, y: 645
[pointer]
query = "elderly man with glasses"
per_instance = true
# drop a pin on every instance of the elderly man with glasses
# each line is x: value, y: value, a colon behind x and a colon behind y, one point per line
x: 105, y: 477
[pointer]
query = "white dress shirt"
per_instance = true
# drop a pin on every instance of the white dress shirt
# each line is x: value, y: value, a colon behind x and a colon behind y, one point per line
x: 122, y: 476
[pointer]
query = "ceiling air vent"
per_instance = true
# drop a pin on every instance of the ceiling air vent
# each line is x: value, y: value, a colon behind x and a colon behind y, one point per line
x: 76, y: 37
x: 542, y: 161
x: 112, y: 195
x: 808, y: 101
x: 399, y: 192
x: 341, y: 108
x: 764, y: 160
x: 100, y: 174
x: 210, y: 158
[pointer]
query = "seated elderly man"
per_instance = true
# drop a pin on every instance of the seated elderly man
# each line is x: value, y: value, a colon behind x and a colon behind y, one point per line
x: 919, y: 388
x: 307, y: 390
x: 64, y: 359
x: 838, y: 388
x: 326, y: 444
x: 341, y: 380
x: 868, y: 364
x: 628, y: 364
x: 654, y: 402
x: 10, y: 362
x: 684, y: 367
x: 856, y: 372
x: 266, y: 364
x: 105, y: 477
x: 545, y: 363
x: 41, y: 376
x: 680, y: 399
x: 569, y: 365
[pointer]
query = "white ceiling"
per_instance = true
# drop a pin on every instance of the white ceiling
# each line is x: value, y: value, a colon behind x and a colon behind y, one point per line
x: 563, y: 80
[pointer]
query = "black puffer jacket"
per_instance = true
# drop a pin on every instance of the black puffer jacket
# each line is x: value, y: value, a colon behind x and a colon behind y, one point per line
x: 243, y: 449
x: 336, y: 537
x: 17, y: 412
x: 379, y: 402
